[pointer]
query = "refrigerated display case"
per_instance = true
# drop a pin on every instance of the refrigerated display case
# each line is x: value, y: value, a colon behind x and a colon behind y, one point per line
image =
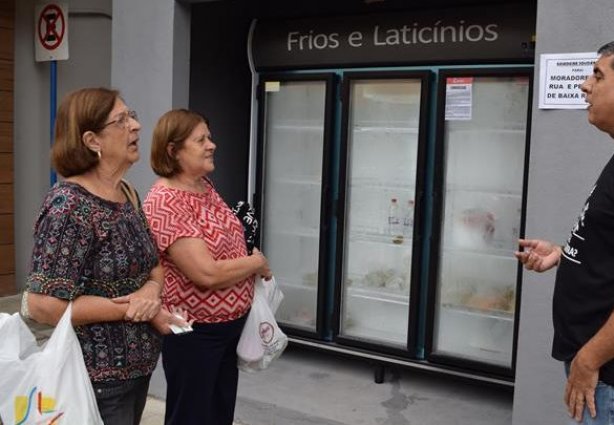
x: 294, y: 191
x: 378, y: 249
x: 479, y: 188
x: 391, y: 202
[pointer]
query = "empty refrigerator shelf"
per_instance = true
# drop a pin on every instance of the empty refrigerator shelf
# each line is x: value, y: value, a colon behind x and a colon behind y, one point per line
x: 384, y: 129
x: 500, y: 253
x: 518, y: 128
x: 382, y: 295
x: 359, y: 286
x: 370, y: 182
x: 301, y: 180
x: 293, y: 283
x: 365, y: 236
x: 304, y: 232
x: 479, y: 313
x: 300, y: 126
x: 452, y: 189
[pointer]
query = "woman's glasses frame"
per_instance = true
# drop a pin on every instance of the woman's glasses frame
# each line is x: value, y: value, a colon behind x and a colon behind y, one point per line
x: 123, y: 119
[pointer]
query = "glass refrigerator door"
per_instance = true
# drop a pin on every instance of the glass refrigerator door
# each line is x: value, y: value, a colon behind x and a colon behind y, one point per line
x: 293, y: 153
x: 383, y: 133
x: 484, y: 139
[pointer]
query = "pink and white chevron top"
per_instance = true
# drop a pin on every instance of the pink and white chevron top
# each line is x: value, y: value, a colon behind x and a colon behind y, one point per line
x: 175, y: 213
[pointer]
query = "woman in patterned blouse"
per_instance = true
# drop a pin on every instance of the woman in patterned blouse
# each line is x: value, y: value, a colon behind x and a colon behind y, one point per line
x: 208, y: 272
x: 92, y: 247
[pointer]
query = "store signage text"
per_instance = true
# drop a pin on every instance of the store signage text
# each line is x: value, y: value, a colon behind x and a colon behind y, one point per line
x: 405, y: 35
x: 484, y: 34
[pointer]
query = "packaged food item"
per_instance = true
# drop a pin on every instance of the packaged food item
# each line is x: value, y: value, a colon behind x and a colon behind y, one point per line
x: 491, y: 299
x: 474, y: 228
x: 394, y: 219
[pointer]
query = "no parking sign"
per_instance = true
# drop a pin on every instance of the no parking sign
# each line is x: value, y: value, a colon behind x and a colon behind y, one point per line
x: 51, y: 31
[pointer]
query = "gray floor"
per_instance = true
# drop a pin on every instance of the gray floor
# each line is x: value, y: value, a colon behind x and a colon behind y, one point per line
x: 315, y: 388
x: 305, y: 387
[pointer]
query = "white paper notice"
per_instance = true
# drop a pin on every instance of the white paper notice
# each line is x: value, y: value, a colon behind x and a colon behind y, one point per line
x: 560, y: 77
x: 459, y: 97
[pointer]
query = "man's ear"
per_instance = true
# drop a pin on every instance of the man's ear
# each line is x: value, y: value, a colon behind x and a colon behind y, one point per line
x: 90, y: 141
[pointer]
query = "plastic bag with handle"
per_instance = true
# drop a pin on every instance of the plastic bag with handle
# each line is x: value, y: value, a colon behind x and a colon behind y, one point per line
x: 47, y: 385
x: 262, y: 341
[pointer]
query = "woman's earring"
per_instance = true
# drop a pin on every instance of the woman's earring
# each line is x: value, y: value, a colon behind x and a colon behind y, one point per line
x: 99, y: 155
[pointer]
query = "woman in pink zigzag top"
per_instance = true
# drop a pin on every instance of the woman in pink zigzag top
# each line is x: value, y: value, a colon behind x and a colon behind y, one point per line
x: 208, y: 272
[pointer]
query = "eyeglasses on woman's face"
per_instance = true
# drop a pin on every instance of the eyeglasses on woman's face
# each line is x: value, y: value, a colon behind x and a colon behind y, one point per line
x: 123, y: 119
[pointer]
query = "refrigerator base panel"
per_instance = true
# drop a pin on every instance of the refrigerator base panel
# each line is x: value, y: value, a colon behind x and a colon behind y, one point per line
x: 409, y: 363
x: 476, y: 335
x: 376, y: 334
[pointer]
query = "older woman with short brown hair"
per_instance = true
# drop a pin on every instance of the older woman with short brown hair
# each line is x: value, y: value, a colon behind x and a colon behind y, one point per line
x: 92, y: 247
x: 208, y: 271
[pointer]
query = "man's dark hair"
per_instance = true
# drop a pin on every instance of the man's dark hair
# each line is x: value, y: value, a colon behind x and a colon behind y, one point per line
x: 607, y: 50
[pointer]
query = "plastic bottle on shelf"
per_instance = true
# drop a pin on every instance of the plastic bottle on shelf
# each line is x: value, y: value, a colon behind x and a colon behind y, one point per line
x: 394, y: 220
x: 408, y: 219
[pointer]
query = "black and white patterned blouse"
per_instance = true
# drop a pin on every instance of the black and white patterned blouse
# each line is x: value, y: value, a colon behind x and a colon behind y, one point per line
x: 86, y: 245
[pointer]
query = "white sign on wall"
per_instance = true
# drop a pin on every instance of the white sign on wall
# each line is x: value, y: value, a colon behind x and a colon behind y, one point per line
x: 560, y: 77
x: 50, y: 31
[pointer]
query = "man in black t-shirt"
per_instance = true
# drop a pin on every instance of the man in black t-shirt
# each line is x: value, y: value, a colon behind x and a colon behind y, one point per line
x: 583, y: 303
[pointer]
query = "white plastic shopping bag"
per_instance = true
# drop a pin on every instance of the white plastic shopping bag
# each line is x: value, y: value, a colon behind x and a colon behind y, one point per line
x: 262, y: 341
x: 47, y: 385
x: 272, y: 293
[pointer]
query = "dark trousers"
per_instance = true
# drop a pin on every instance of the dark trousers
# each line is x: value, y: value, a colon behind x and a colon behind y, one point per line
x: 201, y: 374
x: 122, y: 402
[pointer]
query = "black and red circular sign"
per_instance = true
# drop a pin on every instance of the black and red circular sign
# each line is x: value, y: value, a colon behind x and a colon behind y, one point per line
x: 51, y: 26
